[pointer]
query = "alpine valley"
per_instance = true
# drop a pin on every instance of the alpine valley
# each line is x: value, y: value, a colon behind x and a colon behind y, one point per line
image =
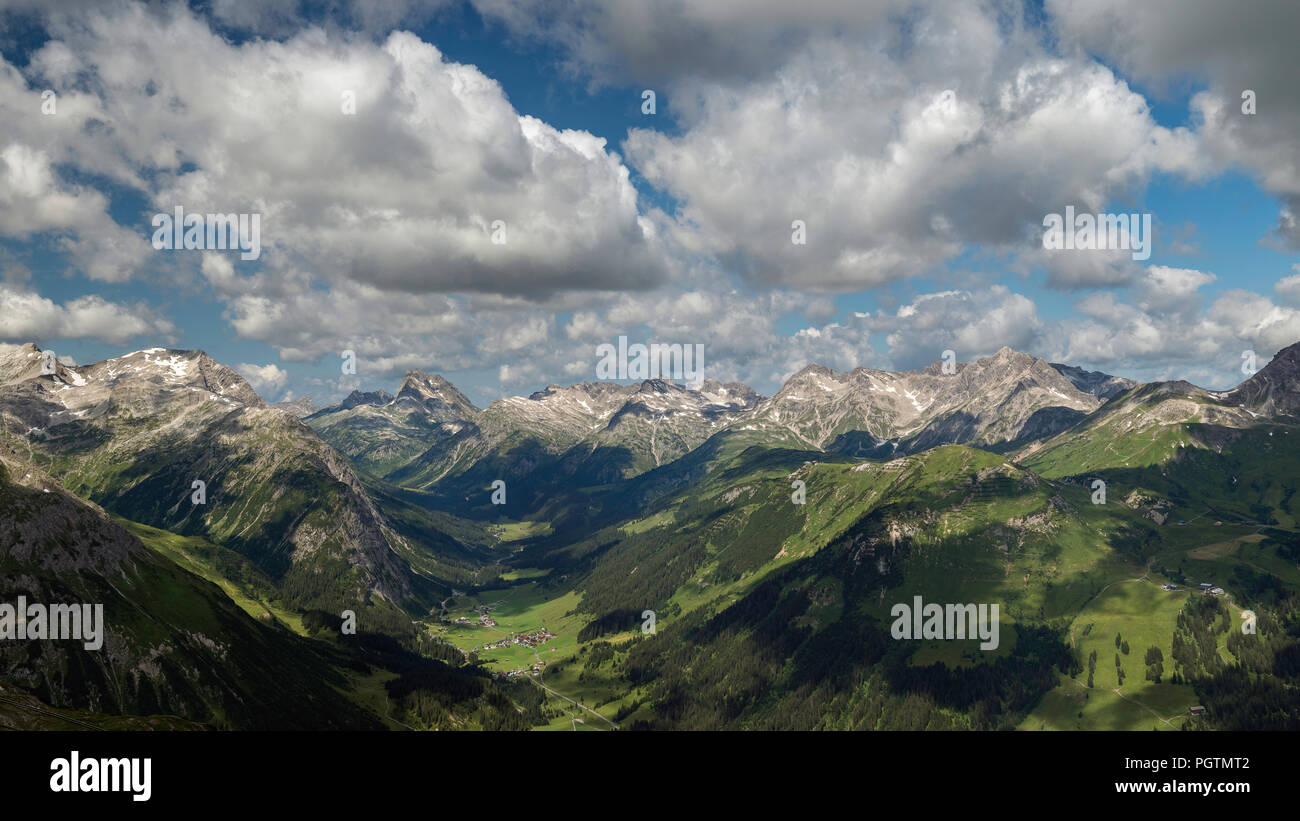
x: 606, y: 555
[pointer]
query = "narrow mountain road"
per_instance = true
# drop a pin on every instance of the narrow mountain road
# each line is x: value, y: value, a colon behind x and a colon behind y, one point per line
x: 537, y: 654
x: 20, y: 705
x: 1143, y: 706
x: 1132, y: 700
x: 574, y: 703
x: 388, y: 715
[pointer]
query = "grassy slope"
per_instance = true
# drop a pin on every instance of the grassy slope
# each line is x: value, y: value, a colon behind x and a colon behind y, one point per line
x: 1209, y: 476
x: 239, y: 579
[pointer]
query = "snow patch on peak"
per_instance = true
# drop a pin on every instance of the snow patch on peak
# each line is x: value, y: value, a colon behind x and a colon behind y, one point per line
x: 177, y: 366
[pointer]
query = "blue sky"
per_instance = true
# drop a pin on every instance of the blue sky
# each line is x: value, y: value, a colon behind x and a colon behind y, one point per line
x: 932, y: 202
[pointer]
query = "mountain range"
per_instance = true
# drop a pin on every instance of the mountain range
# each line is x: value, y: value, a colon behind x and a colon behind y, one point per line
x: 594, y: 433
x: 244, y: 526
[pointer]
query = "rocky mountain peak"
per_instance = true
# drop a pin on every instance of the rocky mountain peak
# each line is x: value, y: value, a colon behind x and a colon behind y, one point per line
x: 1009, y: 368
x: 20, y: 362
x: 813, y: 369
x: 808, y: 375
x: 164, y: 371
x: 730, y: 392
x: 436, y: 393
x: 1101, y: 385
x: 1288, y: 357
x: 357, y: 398
x: 421, y: 383
x: 1007, y: 360
x: 996, y: 398
x: 545, y: 393
x: 656, y: 386
x: 583, y: 390
x: 301, y: 407
x: 1275, y: 389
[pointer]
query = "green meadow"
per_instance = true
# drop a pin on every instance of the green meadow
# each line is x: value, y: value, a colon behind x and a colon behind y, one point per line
x: 244, y: 584
x: 1145, y: 616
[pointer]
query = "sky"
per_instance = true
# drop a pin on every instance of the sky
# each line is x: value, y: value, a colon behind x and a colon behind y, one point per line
x: 480, y: 189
